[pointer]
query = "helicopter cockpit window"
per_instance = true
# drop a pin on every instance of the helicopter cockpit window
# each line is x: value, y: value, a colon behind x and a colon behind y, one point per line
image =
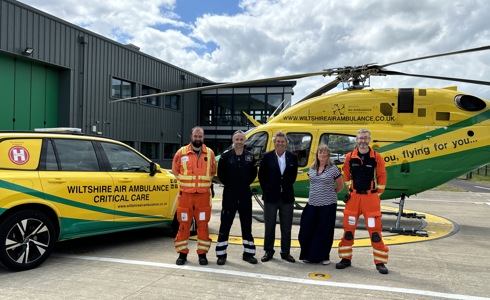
x: 257, y: 144
x: 339, y: 146
x: 300, y: 144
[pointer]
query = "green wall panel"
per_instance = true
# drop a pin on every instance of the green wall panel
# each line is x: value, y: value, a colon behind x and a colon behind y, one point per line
x: 51, y: 109
x: 38, y: 96
x: 7, y: 70
x: 22, y: 104
x: 28, y: 94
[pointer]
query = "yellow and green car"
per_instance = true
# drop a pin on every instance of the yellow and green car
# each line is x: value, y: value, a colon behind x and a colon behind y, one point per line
x: 57, y: 186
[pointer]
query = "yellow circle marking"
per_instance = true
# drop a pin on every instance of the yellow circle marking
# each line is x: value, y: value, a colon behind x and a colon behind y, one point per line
x: 319, y: 275
x: 437, y: 227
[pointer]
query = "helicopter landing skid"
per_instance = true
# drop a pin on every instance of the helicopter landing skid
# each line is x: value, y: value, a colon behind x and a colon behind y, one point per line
x: 406, y: 231
x: 397, y: 229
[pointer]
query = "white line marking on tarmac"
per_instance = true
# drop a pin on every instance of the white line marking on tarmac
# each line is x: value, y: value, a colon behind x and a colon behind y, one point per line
x: 276, y: 278
x: 482, y: 187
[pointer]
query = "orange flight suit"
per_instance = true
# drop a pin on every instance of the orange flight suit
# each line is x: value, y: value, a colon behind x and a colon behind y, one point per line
x: 367, y: 181
x: 194, y: 173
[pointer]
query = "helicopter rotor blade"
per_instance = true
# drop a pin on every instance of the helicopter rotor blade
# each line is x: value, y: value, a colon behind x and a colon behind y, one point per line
x: 437, y: 55
x: 327, y: 87
x: 231, y: 84
x: 343, y: 75
x: 386, y: 72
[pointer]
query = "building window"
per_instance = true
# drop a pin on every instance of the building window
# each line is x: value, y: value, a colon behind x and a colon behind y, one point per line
x: 146, y: 90
x: 149, y: 150
x: 122, y: 89
x: 208, y: 117
x: 241, y: 103
x: 257, y: 108
x: 224, y: 110
x: 227, y: 109
x: 172, y: 102
x: 169, y: 150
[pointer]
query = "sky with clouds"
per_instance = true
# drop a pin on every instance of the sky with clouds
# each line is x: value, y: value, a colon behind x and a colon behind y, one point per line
x: 232, y: 40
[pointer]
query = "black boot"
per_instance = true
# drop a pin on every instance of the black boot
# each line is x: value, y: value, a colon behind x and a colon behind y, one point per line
x: 202, y: 259
x: 221, y: 260
x: 344, y: 263
x: 182, y: 259
x: 249, y: 258
x: 382, y: 268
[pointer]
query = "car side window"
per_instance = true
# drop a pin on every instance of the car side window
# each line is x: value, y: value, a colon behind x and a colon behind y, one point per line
x: 76, y: 155
x: 51, y: 161
x: 123, y: 159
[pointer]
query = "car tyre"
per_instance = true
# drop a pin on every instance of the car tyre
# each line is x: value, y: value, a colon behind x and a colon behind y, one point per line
x: 27, y: 238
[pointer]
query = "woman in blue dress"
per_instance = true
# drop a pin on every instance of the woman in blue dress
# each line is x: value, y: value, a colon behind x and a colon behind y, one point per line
x: 318, y: 218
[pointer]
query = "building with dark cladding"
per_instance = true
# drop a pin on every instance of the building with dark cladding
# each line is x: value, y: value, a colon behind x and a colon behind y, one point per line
x: 56, y: 74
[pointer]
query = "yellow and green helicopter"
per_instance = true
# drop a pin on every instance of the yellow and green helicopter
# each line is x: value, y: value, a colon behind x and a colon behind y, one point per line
x: 427, y: 136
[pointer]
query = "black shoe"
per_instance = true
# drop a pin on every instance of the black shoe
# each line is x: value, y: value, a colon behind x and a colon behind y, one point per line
x: 288, y: 257
x: 382, y: 268
x: 250, y: 259
x: 202, y: 259
x: 182, y: 259
x: 221, y: 260
x: 344, y: 263
x: 267, y: 256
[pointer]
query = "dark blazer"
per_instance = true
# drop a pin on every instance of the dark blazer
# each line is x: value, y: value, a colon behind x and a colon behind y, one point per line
x: 271, y: 180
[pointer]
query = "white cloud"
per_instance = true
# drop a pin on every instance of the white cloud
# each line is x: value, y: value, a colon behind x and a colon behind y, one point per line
x: 282, y: 37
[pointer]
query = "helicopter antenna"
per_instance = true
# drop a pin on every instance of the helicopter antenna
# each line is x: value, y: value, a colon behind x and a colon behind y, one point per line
x: 285, y: 106
x: 274, y: 112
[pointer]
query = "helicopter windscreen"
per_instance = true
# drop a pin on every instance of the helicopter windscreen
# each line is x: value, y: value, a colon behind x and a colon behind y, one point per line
x: 257, y: 144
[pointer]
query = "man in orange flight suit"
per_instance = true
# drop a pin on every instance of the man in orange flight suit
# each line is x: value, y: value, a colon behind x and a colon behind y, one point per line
x: 194, y: 166
x: 365, y: 177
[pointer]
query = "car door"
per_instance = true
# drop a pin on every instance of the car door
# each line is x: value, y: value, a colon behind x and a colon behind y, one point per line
x: 142, y: 198
x: 71, y: 176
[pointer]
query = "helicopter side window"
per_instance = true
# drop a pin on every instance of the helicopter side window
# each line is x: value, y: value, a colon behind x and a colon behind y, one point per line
x: 339, y: 146
x: 300, y: 144
x: 257, y: 144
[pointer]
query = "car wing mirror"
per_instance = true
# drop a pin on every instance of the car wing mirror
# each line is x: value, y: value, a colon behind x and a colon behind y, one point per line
x: 154, y: 168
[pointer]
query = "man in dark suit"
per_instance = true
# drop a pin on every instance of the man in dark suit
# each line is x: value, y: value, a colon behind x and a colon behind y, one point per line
x: 277, y: 174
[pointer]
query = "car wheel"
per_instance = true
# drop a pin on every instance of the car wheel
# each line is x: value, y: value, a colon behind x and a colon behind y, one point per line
x: 26, y: 240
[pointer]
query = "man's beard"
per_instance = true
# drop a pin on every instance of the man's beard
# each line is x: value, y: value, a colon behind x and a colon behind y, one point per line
x: 197, y: 144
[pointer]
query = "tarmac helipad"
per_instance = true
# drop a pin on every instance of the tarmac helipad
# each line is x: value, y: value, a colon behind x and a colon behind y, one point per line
x: 141, y: 264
